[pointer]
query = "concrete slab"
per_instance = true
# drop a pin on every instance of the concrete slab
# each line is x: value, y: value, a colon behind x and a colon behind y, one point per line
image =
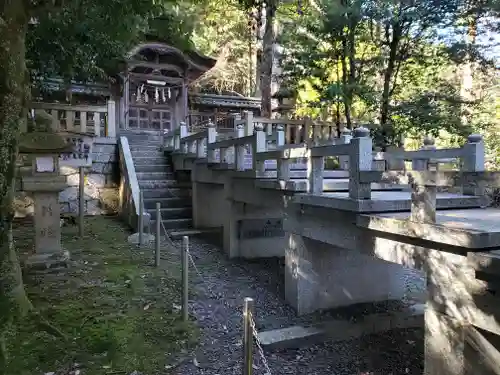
x: 291, y: 337
x: 295, y: 173
x: 329, y: 184
x: 340, y: 330
x: 384, y: 201
x: 472, y: 228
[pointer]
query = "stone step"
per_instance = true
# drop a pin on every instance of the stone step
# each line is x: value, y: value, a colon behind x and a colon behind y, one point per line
x: 144, y: 147
x: 154, y: 176
x: 139, y: 160
x: 143, y: 168
x: 172, y: 213
x: 342, y: 330
x: 162, y: 184
x: 166, y: 193
x: 174, y: 223
x: 137, y: 137
x: 178, y: 234
x: 147, y: 154
x: 174, y: 202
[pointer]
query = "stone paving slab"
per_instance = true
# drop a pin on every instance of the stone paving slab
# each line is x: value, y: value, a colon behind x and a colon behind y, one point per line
x: 340, y: 330
x: 385, y: 201
x: 329, y: 185
x: 471, y: 228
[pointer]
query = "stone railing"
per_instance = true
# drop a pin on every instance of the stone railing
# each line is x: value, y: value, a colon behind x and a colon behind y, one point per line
x: 129, y: 186
x: 295, y: 131
x: 99, y: 120
x: 360, y: 155
x: 248, y: 149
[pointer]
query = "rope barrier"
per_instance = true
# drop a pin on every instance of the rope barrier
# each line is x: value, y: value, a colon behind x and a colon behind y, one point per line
x: 250, y: 333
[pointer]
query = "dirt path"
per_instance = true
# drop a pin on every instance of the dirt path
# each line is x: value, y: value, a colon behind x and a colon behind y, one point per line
x: 217, y: 306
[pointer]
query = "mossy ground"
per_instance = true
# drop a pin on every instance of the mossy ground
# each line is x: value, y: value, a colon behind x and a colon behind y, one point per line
x: 118, y: 311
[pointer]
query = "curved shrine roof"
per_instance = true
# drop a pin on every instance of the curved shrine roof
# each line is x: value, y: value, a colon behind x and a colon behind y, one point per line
x: 161, y: 58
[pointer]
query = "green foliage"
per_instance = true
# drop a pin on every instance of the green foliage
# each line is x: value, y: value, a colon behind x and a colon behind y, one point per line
x: 86, y: 39
x: 221, y: 30
x: 381, y: 62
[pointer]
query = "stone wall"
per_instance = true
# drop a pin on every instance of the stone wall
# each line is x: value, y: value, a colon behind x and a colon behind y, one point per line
x: 101, y: 184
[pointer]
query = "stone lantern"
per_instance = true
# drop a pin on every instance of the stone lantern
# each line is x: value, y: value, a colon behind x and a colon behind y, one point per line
x: 45, y: 183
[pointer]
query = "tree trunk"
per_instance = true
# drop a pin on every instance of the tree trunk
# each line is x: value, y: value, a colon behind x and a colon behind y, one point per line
x: 386, y: 92
x: 13, y: 25
x: 346, y: 91
x: 268, y: 46
x: 466, y: 89
x: 14, y: 94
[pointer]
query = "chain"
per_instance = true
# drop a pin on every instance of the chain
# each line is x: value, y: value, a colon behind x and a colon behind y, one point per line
x: 259, y: 346
x: 216, y: 297
x: 198, y: 272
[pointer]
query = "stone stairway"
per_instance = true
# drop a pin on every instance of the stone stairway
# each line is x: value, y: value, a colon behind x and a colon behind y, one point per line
x: 158, y: 184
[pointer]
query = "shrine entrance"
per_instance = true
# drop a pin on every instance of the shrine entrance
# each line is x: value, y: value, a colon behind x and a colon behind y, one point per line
x: 155, y: 96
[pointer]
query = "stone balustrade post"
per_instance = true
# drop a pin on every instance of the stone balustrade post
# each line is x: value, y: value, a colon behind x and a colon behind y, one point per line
x: 183, y: 132
x: 177, y: 142
x: 345, y: 138
x: 425, y: 164
x: 223, y: 154
x: 315, y: 169
x: 200, y: 148
x: 211, y: 138
x: 111, y: 128
x: 239, y: 151
x: 280, y: 136
x: 259, y: 145
x: 394, y: 164
x: 316, y: 133
x: 308, y: 129
x: 191, y: 147
x: 360, y: 159
x: 423, y: 202
x: 283, y: 165
x: 249, y: 127
x: 473, y: 161
x: 236, y: 117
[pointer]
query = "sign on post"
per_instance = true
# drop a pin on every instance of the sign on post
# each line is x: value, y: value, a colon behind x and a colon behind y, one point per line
x: 81, y: 155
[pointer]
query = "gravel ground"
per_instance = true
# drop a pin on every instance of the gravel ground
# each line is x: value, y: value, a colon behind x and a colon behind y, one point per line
x: 216, y: 304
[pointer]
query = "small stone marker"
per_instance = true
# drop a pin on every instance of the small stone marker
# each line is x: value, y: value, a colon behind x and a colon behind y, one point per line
x: 45, y: 183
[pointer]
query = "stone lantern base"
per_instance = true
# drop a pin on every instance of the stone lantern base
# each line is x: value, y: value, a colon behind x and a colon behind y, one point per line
x: 48, y: 250
x: 48, y: 261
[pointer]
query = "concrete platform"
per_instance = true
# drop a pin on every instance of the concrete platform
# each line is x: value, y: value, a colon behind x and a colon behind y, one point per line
x: 329, y: 185
x: 384, y: 201
x: 340, y: 330
x: 471, y: 228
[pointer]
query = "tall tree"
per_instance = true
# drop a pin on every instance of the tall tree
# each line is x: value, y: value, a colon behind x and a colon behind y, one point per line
x: 75, y: 39
x: 14, y: 17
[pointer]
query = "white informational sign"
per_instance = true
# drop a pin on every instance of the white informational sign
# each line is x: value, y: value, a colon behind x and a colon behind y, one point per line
x: 82, y: 151
x: 44, y: 164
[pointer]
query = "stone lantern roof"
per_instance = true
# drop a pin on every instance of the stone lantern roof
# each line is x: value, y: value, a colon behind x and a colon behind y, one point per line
x: 41, y: 142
